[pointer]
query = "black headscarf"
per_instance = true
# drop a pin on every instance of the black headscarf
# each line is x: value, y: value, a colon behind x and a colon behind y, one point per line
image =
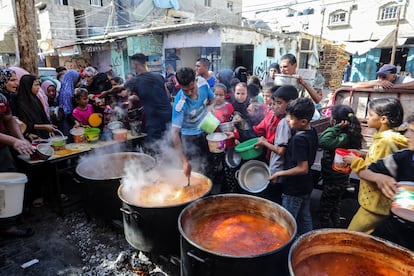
x: 29, y: 109
x: 100, y: 83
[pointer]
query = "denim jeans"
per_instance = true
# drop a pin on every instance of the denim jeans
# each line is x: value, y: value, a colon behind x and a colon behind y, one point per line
x: 299, y: 207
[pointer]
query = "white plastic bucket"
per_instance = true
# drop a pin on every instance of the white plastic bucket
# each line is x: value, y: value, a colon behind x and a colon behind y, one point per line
x: 216, y: 142
x: 11, y: 193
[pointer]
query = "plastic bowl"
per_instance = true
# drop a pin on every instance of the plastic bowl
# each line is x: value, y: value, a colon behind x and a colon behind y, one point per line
x: 92, y: 134
x: 247, y: 150
x: 44, y: 151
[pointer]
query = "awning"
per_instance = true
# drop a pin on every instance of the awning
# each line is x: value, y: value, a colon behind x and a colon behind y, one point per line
x: 388, y: 41
x: 360, y: 48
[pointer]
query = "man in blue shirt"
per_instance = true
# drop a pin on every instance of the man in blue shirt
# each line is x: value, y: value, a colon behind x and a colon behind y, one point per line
x: 190, y: 107
x: 202, y: 68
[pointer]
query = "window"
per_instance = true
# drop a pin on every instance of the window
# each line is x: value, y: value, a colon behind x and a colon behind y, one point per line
x: 388, y: 12
x: 337, y: 18
x: 230, y: 5
x: 97, y: 3
x: 207, y: 3
x: 270, y: 52
x: 305, y: 44
x: 61, y: 2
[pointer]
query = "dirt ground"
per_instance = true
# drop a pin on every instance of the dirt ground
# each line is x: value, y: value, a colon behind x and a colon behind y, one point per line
x: 72, y: 245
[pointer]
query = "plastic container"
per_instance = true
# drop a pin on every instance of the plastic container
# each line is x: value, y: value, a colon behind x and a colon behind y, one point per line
x: 209, y: 123
x: 92, y: 134
x: 403, y: 203
x: 120, y: 134
x: 339, y: 165
x: 247, y: 150
x: 44, y: 151
x: 78, y: 134
x: 216, y: 142
x: 11, y: 193
x: 58, y: 142
x: 95, y: 119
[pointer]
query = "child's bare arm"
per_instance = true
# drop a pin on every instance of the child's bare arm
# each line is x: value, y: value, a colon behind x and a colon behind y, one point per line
x: 264, y: 143
x: 300, y: 169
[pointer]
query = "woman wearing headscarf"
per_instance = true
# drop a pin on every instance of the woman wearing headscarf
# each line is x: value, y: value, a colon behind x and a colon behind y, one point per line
x: 50, y: 89
x: 96, y: 82
x: 10, y: 136
x: 20, y: 72
x: 69, y: 83
x: 29, y: 109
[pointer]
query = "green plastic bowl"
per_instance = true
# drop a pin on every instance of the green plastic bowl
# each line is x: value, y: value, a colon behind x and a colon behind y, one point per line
x: 247, y: 150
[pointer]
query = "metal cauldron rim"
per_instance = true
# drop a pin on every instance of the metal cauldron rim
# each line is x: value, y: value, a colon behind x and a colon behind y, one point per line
x: 166, y: 206
x: 110, y: 154
x: 323, y: 231
x: 182, y: 232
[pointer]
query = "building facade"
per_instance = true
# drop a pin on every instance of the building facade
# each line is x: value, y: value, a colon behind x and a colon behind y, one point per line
x: 366, y: 27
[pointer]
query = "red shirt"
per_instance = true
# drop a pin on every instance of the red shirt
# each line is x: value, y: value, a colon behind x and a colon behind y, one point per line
x: 267, y: 127
x: 224, y: 113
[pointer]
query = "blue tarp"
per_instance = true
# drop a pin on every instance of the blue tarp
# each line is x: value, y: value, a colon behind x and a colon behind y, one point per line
x: 167, y: 4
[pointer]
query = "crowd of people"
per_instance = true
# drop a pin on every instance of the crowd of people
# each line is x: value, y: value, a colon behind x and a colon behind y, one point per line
x: 280, y: 117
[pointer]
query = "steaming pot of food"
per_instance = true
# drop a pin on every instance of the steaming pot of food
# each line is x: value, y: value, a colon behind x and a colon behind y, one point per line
x: 101, y: 176
x: 235, y: 234
x: 150, y: 211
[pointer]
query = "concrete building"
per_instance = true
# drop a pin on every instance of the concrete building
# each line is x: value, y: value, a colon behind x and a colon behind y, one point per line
x: 366, y: 28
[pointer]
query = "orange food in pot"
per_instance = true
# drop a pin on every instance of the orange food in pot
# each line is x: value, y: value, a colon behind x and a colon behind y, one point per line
x: 238, y: 234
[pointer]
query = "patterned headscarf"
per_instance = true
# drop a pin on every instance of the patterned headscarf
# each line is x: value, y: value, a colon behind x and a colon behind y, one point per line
x: 5, y: 76
x: 69, y: 82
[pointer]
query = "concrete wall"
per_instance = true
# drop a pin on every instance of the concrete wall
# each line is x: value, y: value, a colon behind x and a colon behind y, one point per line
x: 363, y: 24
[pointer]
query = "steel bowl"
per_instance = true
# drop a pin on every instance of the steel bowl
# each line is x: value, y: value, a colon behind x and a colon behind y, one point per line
x: 253, y: 176
x: 282, y: 79
x: 227, y: 127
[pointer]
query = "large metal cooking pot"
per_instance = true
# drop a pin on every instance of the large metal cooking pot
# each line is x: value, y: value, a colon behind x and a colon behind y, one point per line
x: 198, y: 260
x: 150, y: 224
x: 101, y: 176
x: 343, y: 252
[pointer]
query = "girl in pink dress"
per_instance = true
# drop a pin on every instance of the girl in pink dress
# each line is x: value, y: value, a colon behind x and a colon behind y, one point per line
x: 83, y: 110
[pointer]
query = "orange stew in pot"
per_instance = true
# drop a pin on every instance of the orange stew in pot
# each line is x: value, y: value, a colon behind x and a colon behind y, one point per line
x: 238, y: 234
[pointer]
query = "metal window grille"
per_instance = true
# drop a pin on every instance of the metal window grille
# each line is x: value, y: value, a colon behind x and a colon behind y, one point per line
x: 389, y: 12
x: 97, y: 3
x: 338, y: 18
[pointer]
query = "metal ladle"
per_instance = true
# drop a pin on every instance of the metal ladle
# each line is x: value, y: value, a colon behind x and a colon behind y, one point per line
x: 188, y: 182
